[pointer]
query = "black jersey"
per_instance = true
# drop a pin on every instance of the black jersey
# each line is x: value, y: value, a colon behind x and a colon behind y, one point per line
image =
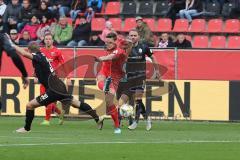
x: 55, y: 88
x: 46, y: 75
x: 43, y: 68
x: 136, y: 62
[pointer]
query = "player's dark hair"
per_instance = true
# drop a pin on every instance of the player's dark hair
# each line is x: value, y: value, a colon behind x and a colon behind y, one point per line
x: 112, y: 35
x: 33, y: 47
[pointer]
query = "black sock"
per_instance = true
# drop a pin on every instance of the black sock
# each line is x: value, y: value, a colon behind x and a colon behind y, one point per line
x: 143, y: 110
x: 29, y: 119
x: 138, y: 112
x: 88, y: 109
x: 119, y: 117
x: 130, y: 120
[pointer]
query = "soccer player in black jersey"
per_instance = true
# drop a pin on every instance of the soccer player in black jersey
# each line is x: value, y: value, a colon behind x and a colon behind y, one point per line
x: 11, y: 52
x: 136, y: 76
x: 55, y: 88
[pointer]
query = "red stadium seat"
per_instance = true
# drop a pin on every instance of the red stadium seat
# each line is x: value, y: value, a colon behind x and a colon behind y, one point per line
x: 112, y: 8
x: 130, y: 23
x: 181, y: 25
x: 117, y: 23
x: 150, y: 22
x: 218, y: 42
x: 198, y: 25
x: 215, y: 26
x: 98, y: 24
x: 164, y: 25
x: 232, y: 26
x: 188, y: 37
x: 200, y: 42
x: 233, y: 42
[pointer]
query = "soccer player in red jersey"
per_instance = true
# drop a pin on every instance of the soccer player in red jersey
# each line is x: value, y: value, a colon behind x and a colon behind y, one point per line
x: 112, y: 67
x: 56, y: 59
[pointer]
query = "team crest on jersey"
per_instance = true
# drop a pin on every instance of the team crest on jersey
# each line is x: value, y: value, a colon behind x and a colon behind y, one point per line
x: 140, y: 50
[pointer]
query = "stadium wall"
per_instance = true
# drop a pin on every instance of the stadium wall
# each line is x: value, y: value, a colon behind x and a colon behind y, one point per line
x: 197, y: 84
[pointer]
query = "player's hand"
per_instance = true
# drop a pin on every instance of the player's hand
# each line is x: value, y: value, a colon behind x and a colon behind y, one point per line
x: 25, y: 82
x: 35, y: 80
x: 96, y: 59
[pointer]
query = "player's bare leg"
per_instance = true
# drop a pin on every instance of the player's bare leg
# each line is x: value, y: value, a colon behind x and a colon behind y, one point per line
x: 100, y: 81
x: 109, y: 97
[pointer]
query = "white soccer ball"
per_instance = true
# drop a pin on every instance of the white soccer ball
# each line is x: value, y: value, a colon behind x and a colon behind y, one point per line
x: 126, y: 110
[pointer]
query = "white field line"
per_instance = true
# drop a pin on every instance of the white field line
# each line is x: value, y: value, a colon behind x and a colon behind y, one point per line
x: 118, y: 142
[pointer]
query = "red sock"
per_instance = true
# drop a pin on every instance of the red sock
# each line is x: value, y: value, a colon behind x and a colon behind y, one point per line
x: 48, y: 112
x: 112, y: 110
x: 55, y: 109
x: 101, y: 85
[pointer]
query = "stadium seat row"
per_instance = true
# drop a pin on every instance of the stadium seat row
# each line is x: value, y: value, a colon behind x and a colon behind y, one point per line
x: 159, y: 8
x: 165, y: 25
x: 203, y: 41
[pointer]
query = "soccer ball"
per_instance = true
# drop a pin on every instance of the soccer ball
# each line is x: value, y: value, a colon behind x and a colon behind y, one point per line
x: 126, y: 110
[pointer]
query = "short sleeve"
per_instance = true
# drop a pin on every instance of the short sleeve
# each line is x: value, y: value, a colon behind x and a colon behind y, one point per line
x: 148, y: 51
x: 120, y: 54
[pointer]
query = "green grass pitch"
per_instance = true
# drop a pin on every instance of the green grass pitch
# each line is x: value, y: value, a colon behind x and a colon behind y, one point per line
x: 170, y: 140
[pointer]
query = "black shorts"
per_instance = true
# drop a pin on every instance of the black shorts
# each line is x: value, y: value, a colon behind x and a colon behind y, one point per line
x: 130, y: 87
x: 56, y: 91
x: 50, y: 96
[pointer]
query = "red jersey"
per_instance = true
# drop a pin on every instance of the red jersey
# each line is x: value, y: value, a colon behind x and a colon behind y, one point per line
x: 54, y: 56
x: 114, y: 68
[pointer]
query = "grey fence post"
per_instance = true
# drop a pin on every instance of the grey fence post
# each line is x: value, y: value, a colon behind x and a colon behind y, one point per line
x: 176, y: 63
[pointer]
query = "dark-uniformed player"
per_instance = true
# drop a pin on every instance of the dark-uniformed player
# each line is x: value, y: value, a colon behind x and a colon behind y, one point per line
x: 136, y: 75
x: 11, y: 52
x: 55, y: 88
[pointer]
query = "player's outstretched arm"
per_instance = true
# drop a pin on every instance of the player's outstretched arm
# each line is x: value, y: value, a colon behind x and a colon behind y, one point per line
x: 109, y: 57
x: 23, y: 52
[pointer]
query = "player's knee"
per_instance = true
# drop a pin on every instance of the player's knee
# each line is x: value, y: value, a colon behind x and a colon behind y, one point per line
x: 100, y: 85
x: 123, y: 100
x: 112, y: 90
x: 109, y: 102
x: 29, y: 106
